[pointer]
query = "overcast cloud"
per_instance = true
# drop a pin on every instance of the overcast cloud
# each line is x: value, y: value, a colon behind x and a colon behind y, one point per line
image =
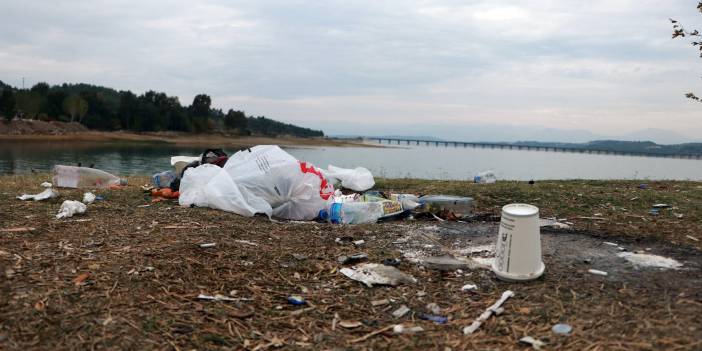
x: 377, y: 67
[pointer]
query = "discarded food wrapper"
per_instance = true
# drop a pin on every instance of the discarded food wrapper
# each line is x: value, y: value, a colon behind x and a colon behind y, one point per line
x: 88, y: 198
x: 391, y: 262
x: 469, y: 287
x: 536, y: 344
x: 597, y: 272
x: 434, y: 318
x: 562, y: 329
x: 355, y: 258
x: 400, y: 329
x: 403, y: 310
x: 296, y: 300
x: 48, y: 193
x: 378, y: 274
x: 71, y: 207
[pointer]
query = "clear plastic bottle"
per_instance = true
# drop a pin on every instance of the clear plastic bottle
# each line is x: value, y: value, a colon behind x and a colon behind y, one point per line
x: 352, y: 212
x: 164, y: 179
x: 84, y: 177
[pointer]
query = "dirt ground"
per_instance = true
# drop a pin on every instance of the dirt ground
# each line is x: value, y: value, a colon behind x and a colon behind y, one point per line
x: 127, y: 276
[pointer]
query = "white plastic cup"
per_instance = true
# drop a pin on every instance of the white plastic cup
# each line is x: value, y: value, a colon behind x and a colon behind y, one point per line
x: 518, y: 247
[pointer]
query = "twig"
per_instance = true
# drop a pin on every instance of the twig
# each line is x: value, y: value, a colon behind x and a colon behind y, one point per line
x: 371, y: 334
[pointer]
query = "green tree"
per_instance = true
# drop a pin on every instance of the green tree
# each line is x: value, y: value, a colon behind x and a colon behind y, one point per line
x: 29, y: 103
x: 7, y: 103
x: 236, y: 120
x: 680, y: 32
x: 41, y: 88
x: 200, y: 112
x: 75, y: 106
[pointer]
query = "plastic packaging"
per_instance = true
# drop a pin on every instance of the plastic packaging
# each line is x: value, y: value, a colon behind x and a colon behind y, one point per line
x: 518, y: 248
x: 262, y: 179
x: 390, y: 207
x: 408, y: 201
x: 487, y: 177
x: 69, y: 208
x: 89, y: 198
x: 84, y: 177
x: 352, y: 212
x: 357, y: 179
x: 48, y: 193
x: 459, y: 206
x: 164, y: 179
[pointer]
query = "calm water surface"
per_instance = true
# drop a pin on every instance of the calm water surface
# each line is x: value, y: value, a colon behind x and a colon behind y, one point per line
x: 429, y: 162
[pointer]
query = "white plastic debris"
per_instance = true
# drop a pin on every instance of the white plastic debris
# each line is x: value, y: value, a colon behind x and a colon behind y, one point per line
x: 536, y: 344
x: 70, y: 208
x: 357, y: 179
x: 649, y: 260
x: 433, y: 308
x: 496, y: 309
x: 469, y: 287
x: 48, y: 193
x: 377, y: 274
x: 403, y: 310
x: 88, y: 198
x: 46, y: 185
x: 207, y: 245
x: 597, y: 272
x: 561, y: 328
x: 400, y: 329
x: 216, y: 297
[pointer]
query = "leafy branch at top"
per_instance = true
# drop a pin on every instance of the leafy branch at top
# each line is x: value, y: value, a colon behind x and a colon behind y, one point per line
x: 680, y: 32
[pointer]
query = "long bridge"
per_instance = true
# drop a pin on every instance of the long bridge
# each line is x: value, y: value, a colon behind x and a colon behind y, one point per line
x: 509, y: 146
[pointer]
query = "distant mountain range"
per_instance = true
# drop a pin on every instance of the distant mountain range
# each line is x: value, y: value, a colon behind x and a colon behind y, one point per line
x: 510, y: 134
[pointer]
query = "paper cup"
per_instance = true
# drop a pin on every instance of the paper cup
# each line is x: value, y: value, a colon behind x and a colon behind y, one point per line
x: 518, y: 248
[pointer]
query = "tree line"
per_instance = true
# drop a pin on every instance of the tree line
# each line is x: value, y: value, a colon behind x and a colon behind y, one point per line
x: 104, y: 108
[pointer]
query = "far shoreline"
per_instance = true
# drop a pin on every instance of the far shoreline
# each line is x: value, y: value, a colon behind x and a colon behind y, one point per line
x: 184, y: 139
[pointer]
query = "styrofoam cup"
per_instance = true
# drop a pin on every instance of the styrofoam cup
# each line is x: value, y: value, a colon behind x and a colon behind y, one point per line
x: 518, y: 247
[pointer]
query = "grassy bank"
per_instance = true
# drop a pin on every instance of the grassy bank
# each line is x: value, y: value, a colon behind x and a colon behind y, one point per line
x: 127, y: 276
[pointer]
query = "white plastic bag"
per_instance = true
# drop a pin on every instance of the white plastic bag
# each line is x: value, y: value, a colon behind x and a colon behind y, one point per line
x: 262, y: 179
x: 357, y: 179
x: 487, y: 177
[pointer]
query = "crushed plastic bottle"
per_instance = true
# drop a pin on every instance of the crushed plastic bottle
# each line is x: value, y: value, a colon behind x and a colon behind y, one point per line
x: 352, y: 212
x: 84, y: 177
x: 459, y: 206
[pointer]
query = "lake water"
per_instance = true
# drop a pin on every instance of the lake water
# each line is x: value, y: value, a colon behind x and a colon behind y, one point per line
x: 428, y: 162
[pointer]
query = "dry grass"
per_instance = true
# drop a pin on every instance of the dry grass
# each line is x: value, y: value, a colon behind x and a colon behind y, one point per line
x: 145, y: 268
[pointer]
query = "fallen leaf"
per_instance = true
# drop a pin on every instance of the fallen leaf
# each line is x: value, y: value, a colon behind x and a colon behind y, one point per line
x: 18, y: 229
x: 524, y: 310
x: 350, y: 324
x: 80, y: 278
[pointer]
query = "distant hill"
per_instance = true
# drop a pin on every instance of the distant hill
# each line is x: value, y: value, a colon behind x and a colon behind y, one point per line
x: 647, y: 147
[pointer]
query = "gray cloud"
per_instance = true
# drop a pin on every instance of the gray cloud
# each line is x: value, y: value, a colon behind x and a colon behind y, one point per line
x: 597, y: 65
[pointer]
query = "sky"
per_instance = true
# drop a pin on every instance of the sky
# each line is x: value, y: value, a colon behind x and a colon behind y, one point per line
x: 452, y: 69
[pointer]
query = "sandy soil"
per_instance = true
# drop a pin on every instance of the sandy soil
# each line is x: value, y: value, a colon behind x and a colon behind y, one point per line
x: 126, y: 275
